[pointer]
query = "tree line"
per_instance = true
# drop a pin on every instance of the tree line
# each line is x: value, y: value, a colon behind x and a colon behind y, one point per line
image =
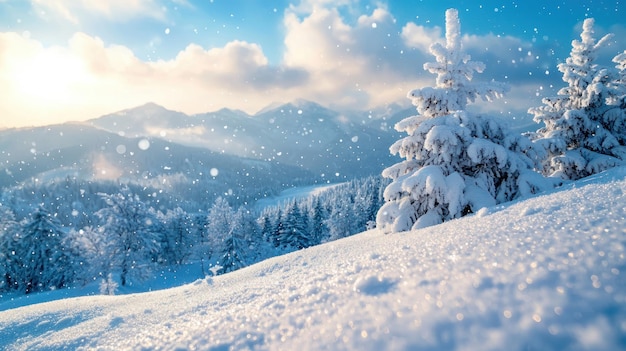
x: 127, y: 238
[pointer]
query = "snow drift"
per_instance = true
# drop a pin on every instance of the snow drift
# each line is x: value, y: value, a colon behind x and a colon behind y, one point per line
x: 545, y: 273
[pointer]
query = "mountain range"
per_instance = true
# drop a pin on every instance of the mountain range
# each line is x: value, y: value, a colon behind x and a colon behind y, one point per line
x: 331, y: 144
x: 282, y: 146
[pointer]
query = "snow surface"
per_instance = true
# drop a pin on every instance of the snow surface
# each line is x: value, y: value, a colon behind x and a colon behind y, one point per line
x: 546, y: 273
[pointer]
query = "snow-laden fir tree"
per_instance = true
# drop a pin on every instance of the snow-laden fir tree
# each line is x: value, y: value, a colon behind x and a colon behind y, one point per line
x: 36, y: 258
x: 616, y: 117
x: 583, y: 130
x: 255, y: 247
x: 9, y: 233
x: 131, y: 237
x: 234, y: 248
x: 89, y: 248
x: 277, y: 229
x: 456, y: 162
x: 317, y: 227
x: 178, y: 236
x: 293, y: 232
x: 342, y: 217
x: 220, y: 222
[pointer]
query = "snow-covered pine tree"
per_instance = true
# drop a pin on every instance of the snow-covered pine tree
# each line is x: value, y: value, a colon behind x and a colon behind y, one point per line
x: 201, y: 250
x: 317, y: 227
x: 616, y: 117
x: 580, y: 125
x: 293, y: 233
x: 220, y: 222
x: 278, y: 228
x: 9, y: 229
x: 108, y: 285
x: 265, y: 223
x: 255, y: 247
x: 36, y: 257
x: 341, y: 219
x: 132, y: 241
x: 233, y: 248
x: 178, y: 236
x: 88, y: 247
x: 456, y: 162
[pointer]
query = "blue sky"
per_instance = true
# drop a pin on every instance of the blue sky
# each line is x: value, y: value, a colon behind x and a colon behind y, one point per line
x: 78, y: 59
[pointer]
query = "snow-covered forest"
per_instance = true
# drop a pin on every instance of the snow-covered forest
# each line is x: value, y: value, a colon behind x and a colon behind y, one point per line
x: 128, y: 233
x: 72, y: 231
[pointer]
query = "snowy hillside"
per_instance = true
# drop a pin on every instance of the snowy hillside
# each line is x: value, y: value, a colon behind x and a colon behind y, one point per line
x: 546, y: 273
x: 45, y: 155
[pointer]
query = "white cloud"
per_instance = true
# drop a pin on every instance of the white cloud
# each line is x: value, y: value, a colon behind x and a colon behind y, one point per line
x: 86, y: 78
x: 356, y: 66
x: 421, y: 37
x: 361, y: 64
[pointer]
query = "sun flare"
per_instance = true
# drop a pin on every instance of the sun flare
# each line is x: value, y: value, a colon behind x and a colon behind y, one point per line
x: 49, y: 77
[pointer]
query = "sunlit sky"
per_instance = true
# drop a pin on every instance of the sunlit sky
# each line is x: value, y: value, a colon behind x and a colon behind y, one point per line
x: 66, y: 60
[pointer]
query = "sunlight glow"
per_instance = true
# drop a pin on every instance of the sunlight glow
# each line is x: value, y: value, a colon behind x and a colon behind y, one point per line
x: 50, y: 76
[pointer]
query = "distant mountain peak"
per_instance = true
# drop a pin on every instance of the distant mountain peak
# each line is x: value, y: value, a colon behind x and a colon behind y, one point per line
x: 233, y: 111
x: 297, y: 105
x: 147, y: 108
x: 304, y: 104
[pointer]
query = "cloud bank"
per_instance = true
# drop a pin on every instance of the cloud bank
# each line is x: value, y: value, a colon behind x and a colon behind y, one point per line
x: 356, y: 64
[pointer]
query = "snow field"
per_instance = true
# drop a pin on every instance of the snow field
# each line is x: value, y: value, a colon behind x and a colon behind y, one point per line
x: 545, y: 273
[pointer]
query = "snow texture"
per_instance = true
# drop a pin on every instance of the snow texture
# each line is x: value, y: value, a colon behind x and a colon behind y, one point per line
x: 546, y: 273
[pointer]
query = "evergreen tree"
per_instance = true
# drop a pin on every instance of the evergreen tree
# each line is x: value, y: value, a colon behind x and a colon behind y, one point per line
x: 9, y: 229
x: 616, y: 117
x: 364, y: 205
x: 220, y: 221
x: 108, y: 285
x: 455, y: 162
x: 254, y: 243
x: 233, y: 248
x: 201, y: 249
x: 293, y: 232
x: 177, y: 236
x: 582, y: 127
x: 341, y: 219
x: 266, y: 227
x: 241, y: 239
x: 36, y: 258
x: 278, y: 229
x: 318, y: 228
x: 88, y: 247
x: 132, y: 241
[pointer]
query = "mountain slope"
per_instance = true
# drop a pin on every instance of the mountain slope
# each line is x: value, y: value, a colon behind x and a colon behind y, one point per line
x: 79, y: 150
x: 546, y: 273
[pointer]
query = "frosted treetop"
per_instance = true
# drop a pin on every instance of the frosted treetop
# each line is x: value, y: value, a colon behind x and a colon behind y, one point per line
x: 454, y: 70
